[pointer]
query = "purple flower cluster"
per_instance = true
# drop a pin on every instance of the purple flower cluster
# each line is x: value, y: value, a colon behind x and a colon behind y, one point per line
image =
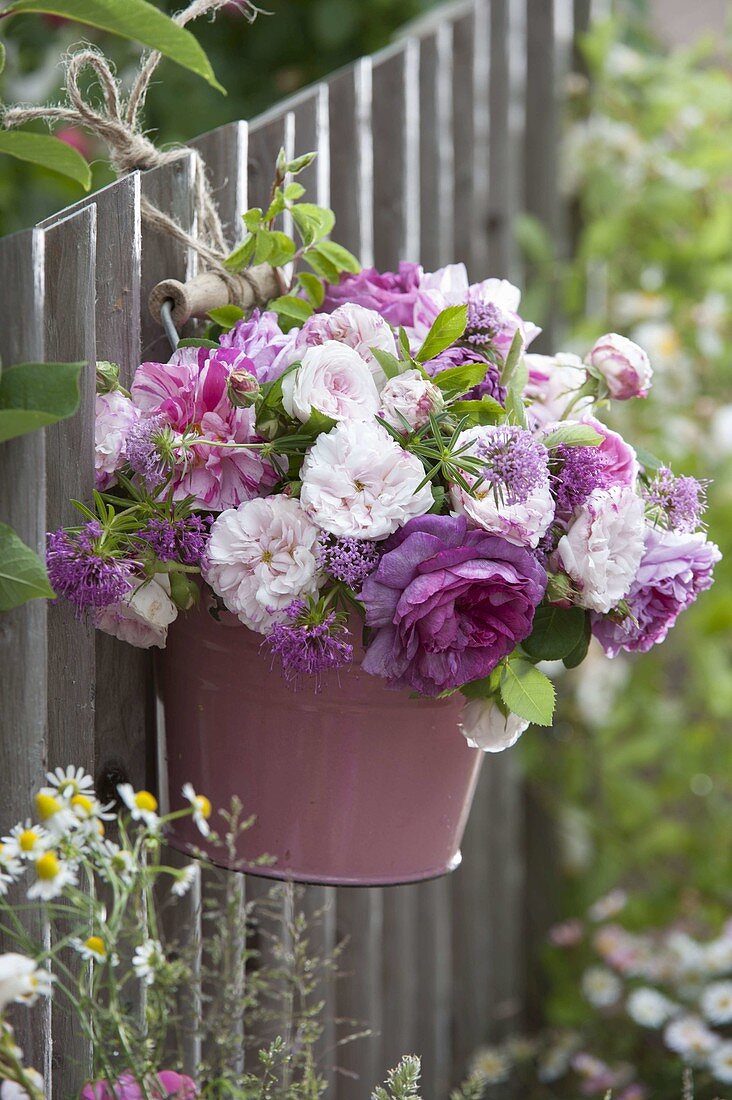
x: 268, y: 349
x: 680, y: 500
x: 347, y: 559
x: 460, y: 357
x: 583, y: 470
x: 447, y: 604
x: 390, y: 293
x: 145, y: 449
x: 182, y: 540
x: 307, y: 647
x: 515, y: 462
x: 484, y: 321
x: 82, y: 573
x: 675, y: 568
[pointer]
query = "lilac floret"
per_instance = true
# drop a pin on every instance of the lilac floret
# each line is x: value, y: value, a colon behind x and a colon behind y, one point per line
x: 347, y: 559
x: 583, y: 470
x: 307, y: 648
x: 515, y: 462
x: 182, y: 540
x: 681, y: 500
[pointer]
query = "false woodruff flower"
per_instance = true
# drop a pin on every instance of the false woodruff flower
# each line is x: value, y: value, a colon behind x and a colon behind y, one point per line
x: 310, y: 641
x: 679, y: 502
x: 83, y: 570
x: 150, y: 450
x: 347, y: 559
x: 182, y: 540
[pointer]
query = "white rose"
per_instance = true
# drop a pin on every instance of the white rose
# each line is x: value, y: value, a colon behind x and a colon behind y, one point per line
x: 360, y: 328
x: 261, y: 556
x: 552, y: 385
x: 357, y: 481
x: 412, y: 397
x: 333, y: 379
x: 485, y: 726
x: 603, y: 547
x: 623, y: 365
x: 143, y: 618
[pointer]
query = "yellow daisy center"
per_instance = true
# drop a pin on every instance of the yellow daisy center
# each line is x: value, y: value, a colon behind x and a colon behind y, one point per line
x: 146, y: 801
x: 81, y: 802
x: 28, y: 840
x: 47, y: 805
x: 48, y: 867
x: 96, y: 944
x: 203, y: 805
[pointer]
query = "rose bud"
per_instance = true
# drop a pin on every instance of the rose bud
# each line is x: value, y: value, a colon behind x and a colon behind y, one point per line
x: 622, y: 365
x: 243, y: 388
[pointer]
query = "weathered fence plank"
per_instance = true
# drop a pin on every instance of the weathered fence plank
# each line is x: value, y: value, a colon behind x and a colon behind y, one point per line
x: 23, y: 632
x: 352, y: 158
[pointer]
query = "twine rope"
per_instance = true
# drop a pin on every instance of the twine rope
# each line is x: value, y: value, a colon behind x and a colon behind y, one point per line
x: 116, y: 122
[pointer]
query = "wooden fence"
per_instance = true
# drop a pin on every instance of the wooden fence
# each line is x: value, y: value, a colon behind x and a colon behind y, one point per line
x: 425, y: 151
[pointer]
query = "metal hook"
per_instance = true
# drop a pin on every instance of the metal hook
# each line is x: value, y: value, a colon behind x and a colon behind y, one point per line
x: 166, y: 319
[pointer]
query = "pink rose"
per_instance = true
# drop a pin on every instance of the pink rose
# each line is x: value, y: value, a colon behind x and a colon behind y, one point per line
x: 623, y: 366
x: 142, y: 618
x: 409, y: 397
x: 176, y: 1085
x: 620, y: 465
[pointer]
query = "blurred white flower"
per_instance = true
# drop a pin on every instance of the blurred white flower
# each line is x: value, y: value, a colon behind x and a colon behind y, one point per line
x: 93, y: 949
x: 601, y: 987
x: 717, y: 954
x: 484, y: 726
x: 201, y: 808
x: 26, y: 841
x: 22, y: 980
x: 716, y: 1002
x: 70, y: 781
x: 597, y: 684
x: 141, y: 804
x: 691, y: 1038
x: 147, y: 960
x: 491, y: 1065
x: 608, y: 906
x: 720, y: 1063
x: 11, y: 1090
x: 649, y: 1008
x: 52, y: 876
x: 184, y: 880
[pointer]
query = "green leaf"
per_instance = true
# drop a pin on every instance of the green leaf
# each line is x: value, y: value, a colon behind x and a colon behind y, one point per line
x: 578, y: 654
x: 555, y: 633
x: 193, y: 342
x: 313, y: 287
x: 241, y: 256
x: 318, y: 422
x: 484, y: 688
x: 33, y: 395
x: 314, y: 222
x: 447, y: 327
x: 49, y: 152
x: 648, y: 460
x: 527, y: 692
x: 292, y: 310
x: 321, y: 265
x: 282, y: 248
x: 297, y: 165
x: 340, y: 257
x: 459, y: 380
x: 23, y: 575
x: 2, y: 57
x: 573, y: 435
x: 293, y: 192
x: 226, y: 316
x: 134, y: 19
x: 388, y: 362
x: 512, y: 359
x: 485, y: 411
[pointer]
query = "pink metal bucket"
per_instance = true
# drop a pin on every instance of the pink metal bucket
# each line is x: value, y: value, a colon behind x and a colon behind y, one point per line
x: 355, y: 786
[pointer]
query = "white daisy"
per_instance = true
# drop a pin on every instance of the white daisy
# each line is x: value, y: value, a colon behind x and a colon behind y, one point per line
x: 22, y: 980
x: 141, y: 804
x: 720, y: 1063
x: 93, y: 949
x: 121, y: 862
x: 718, y: 955
x: 184, y: 880
x: 601, y: 987
x: 716, y: 1002
x: 649, y: 1008
x: 70, y: 781
x: 26, y: 841
x: 201, y: 808
x: 147, y: 960
x: 691, y: 1038
x: 10, y: 863
x: 52, y: 875
x: 54, y: 811
x: 491, y: 1065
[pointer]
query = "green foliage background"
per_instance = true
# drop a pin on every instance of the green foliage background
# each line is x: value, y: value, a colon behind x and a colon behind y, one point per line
x: 300, y: 41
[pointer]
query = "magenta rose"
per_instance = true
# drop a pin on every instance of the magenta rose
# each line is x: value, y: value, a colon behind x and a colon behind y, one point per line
x: 447, y: 604
x: 176, y: 1085
x: 675, y: 568
x: 390, y: 293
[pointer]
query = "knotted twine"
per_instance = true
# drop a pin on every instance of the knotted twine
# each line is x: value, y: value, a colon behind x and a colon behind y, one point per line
x: 116, y: 122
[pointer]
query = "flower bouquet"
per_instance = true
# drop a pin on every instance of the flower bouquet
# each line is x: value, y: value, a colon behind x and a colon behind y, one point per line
x: 398, y: 507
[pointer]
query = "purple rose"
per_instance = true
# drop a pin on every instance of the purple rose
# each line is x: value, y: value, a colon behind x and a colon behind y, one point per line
x: 259, y: 336
x: 674, y: 569
x: 448, y: 603
x: 459, y: 357
x: 390, y: 293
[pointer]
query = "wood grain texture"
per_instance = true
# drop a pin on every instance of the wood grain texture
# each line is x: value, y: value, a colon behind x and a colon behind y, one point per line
x: 69, y: 277
x: 224, y: 151
x: 436, y: 148
x: 23, y: 632
x: 351, y: 158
